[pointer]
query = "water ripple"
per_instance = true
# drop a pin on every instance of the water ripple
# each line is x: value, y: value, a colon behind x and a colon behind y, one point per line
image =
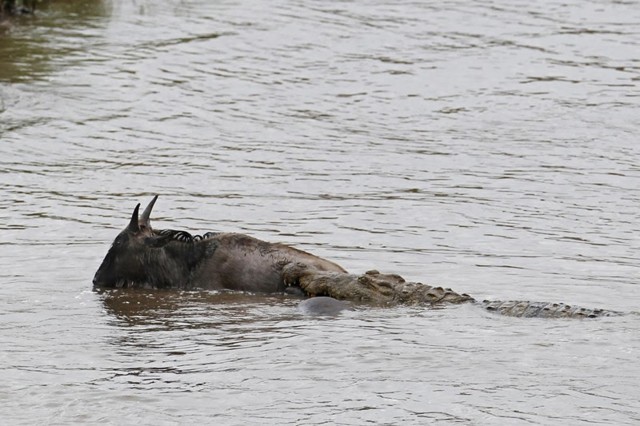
x: 488, y: 147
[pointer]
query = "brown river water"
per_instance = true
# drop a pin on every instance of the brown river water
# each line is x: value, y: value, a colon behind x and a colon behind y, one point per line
x: 491, y: 147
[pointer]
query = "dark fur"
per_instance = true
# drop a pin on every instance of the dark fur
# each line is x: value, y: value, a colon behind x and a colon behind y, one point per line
x: 142, y: 257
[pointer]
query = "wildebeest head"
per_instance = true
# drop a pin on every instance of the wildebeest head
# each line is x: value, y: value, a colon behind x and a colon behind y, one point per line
x: 134, y: 255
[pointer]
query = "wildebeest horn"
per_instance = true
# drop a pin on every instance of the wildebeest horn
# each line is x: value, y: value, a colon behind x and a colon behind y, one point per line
x: 133, y: 225
x: 144, y: 220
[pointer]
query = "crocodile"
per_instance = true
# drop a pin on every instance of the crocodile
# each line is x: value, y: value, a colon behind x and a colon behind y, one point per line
x: 378, y: 289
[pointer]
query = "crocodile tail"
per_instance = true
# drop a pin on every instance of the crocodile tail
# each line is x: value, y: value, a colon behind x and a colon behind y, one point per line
x: 525, y: 309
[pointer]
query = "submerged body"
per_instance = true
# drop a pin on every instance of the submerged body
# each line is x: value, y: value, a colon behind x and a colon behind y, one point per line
x: 323, y: 306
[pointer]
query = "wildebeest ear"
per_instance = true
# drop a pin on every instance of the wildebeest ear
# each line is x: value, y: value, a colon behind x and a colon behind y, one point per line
x: 133, y: 224
x: 144, y: 220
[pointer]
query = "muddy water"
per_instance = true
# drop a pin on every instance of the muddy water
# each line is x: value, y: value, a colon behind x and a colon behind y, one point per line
x: 490, y: 147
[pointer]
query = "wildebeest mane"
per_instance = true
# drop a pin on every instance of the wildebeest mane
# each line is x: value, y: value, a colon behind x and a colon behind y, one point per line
x: 184, y: 236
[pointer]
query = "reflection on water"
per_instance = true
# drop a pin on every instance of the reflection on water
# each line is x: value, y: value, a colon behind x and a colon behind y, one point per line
x: 488, y: 147
x: 203, y: 309
x: 34, y: 47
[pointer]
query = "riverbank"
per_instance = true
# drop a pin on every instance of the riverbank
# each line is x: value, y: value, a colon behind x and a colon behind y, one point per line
x: 10, y: 8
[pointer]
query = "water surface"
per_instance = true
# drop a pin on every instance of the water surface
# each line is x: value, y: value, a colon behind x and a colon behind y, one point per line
x: 489, y: 147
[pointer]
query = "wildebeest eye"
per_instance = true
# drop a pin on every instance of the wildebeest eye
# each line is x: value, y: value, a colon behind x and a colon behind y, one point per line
x: 119, y: 242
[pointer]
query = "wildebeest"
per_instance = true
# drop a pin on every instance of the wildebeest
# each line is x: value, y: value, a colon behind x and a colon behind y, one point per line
x: 146, y: 258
